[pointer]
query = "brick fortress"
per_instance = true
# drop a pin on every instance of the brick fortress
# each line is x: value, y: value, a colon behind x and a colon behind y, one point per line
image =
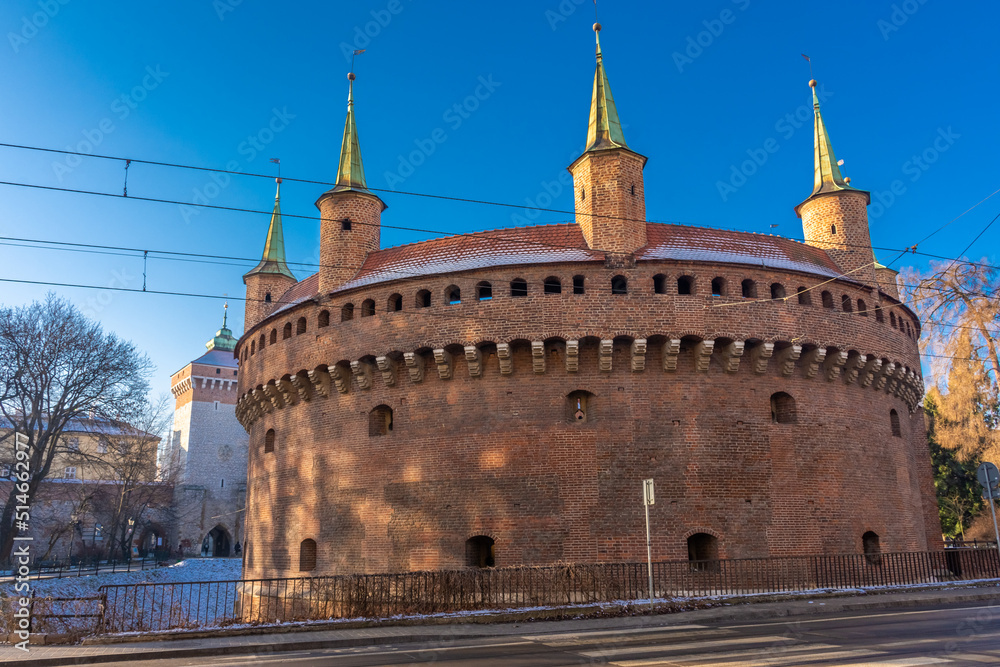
x: 496, y: 398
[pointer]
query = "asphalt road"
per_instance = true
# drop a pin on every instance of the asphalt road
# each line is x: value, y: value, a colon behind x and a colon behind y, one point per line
x: 969, y: 635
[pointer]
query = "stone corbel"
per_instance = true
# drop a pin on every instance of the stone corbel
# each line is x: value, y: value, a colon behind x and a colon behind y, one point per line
x: 638, y: 355
x: 414, y: 366
x: 474, y: 358
x: 605, y: 350
x: 273, y: 396
x: 387, y: 367
x: 887, y: 371
x: 853, y: 367
x: 670, y: 351
x: 443, y: 360
x: 811, y: 361
x: 362, y: 373
x: 505, y: 359
x: 872, y: 367
x: 703, y: 355
x: 302, y: 386
x: 341, y: 379
x: 572, y: 356
x: 730, y: 355
x: 833, y: 364
x: 288, y: 393
x: 321, y: 381
x: 759, y: 355
x: 787, y: 358
x: 538, y: 356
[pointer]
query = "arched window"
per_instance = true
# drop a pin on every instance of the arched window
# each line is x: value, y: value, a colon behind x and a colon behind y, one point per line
x: 580, y: 407
x: 484, y: 291
x: 894, y: 424
x: 577, y: 284
x: 552, y: 285
x: 777, y: 291
x: 879, y: 316
x: 261, y: 343
x: 395, y: 303
x: 480, y: 551
x: 659, y: 284
x: 367, y: 307
x: 685, y: 285
x: 872, y: 548
x: 805, y: 298
x: 783, y: 409
x: 845, y: 304
x: 423, y: 299
x: 749, y: 289
x: 619, y: 285
x: 307, y: 556
x: 892, y: 319
x: 452, y: 295
x: 269, y: 441
x: 300, y: 326
x: 380, y: 420
x: 519, y: 287
x: 833, y: 229
x: 267, y: 297
x: 324, y: 319
x: 253, y: 347
x: 347, y: 312
x: 718, y: 286
x: 827, y: 299
x: 862, y: 308
x: 703, y: 552
x: 286, y: 332
x: 274, y: 336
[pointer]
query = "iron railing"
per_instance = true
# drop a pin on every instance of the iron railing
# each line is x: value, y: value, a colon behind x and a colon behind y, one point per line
x: 210, y: 604
x: 60, y: 569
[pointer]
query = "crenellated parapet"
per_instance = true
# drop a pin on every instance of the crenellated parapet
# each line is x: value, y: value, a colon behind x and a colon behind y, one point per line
x: 821, y: 363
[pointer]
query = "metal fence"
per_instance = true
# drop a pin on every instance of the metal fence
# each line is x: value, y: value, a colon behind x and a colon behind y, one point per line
x: 60, y: 569
x: 209, y: 604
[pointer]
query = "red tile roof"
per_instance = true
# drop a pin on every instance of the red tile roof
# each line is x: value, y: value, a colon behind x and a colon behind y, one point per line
x: 545, y: 244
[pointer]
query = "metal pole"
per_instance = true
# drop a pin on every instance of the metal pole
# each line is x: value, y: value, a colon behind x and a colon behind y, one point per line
x: 996, y: 532
x: 649, y: 554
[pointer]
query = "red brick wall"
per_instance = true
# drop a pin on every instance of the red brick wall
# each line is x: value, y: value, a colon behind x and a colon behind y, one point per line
x: 259, y: 285
x: 610, y: 200
x: 342, y: 252
x: 850, y: 246
x: 495, y: 454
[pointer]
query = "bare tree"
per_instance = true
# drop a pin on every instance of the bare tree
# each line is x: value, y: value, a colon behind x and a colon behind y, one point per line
x: 57, y: 366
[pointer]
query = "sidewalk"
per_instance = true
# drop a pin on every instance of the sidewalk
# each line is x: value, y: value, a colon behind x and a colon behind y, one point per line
x: 335, y: 635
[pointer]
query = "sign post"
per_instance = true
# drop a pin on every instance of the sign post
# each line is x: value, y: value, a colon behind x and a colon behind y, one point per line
x: 647, y: 500
x: 989, y: 477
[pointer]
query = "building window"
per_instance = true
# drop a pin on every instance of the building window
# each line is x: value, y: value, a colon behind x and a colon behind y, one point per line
x: 845, y: 304
x: 216, y: 406
x: 69, y: 473
x: 253, y: 347
x: 619, y: 285
x: 718, y: 286
x: 345, y: 224
x: 307, y: 556
x: 894, y: 424
x: 579, y: 407
x: 892, y: 319
x: 484, y: 291
x: 577, y: 284
x: 519, y: 287
x: 287, y: 331
x: 783, y: 409
x: 218, y: 371
x: 423, y: 299
x: 552, y: 285
x: 827, y: 299
x: 73, y: 444
x: 347, y: 312
x: 267, y: 297
x: 261, y: 343
x: 380, y: 420
x: 685, y: 285
x: 703, y: 552
x: 480, y: 551
x: 324, y: 319
x: 872, y: 548
x: 659, y: 284
x: 879, y: 316
x: 274, y: 336
x: 805, y: 299
x: 102, y: 446
x: 367, y: 308
x: 269, y: 441
x: 300, y: 326
x: 749, y: 289
x: 452, y: 295
x: 395, y: 303
x: 862, y: 308
x: 777, y: 291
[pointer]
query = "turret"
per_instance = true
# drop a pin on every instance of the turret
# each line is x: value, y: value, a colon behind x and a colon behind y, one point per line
x: 835, y: 215
x: 267, y: 281
x: 351, y: 216
x: 607, y: 178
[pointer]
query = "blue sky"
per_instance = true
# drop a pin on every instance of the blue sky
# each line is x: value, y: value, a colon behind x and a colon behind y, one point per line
x: 701, y: 89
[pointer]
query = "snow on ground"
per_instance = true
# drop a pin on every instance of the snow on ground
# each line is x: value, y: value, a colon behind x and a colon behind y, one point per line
x: 196, y: 569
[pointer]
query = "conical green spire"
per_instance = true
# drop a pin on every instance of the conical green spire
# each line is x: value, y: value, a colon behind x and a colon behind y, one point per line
x: 605, y: 130
x: 827, y: 177
x: 273, y: 260
x: 351, y: 170
x: 223, y: 339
